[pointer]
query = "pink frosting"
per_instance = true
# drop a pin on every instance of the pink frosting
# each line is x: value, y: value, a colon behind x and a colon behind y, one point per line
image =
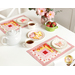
x: 32, y: 35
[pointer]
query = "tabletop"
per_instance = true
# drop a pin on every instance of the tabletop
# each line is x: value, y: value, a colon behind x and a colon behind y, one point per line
x: 17, y: 55
x: 61, y: 61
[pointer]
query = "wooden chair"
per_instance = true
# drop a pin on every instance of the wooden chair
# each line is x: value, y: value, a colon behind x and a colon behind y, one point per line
x: 9, y: 14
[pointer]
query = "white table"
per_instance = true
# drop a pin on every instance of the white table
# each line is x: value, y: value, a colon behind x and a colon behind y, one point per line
x: 61, y: 62
x: 17, y: 55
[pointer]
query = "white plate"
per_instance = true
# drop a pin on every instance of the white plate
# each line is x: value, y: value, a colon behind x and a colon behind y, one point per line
x: 30, y: 32
x: 64, y: 43
x: 19, y: 20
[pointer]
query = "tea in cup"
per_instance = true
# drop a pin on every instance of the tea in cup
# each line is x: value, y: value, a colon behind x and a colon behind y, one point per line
x: 28, y: 43
x: 31, y: 25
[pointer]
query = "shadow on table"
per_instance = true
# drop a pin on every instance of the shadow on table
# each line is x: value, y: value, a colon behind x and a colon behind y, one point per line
x: 43, y: 27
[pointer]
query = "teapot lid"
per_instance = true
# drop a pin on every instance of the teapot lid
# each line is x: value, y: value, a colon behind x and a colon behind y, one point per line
x: 11, y: 32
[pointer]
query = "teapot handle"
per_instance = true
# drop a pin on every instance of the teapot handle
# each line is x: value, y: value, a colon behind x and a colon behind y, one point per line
x: 2, y: 40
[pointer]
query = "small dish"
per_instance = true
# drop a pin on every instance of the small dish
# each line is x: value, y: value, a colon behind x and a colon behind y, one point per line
x: 59, y: 43
x: 22, y: 20
x: 68, y: 59
x: 35, y: 34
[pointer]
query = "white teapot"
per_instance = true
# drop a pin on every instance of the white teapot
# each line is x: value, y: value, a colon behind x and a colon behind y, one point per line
x: 12, y: 37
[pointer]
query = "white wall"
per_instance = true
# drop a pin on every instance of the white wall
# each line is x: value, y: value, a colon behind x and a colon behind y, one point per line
x: 66, y: 18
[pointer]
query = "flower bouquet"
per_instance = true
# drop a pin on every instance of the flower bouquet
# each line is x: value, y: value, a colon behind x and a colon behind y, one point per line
x: 46, y: 15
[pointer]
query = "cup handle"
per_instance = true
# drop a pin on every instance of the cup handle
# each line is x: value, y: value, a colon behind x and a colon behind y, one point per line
x: 23, y: 44
x: 4, y: 37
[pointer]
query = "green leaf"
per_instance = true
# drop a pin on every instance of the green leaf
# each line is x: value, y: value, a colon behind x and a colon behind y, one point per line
x: 51, y: 9
x: 30, y: 8
x: 44, y: 23
x: 53, y: 25
x: 60, y: 10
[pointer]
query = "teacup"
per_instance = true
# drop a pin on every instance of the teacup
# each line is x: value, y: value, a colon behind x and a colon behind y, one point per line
x: 31, y: 25
x: 28, y: 43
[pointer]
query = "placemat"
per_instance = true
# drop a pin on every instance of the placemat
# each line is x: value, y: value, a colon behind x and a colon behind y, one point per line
x: 44, y: 53
x: 11, y: 24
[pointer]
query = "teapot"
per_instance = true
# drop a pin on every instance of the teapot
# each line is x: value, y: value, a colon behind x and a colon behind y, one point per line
x: 12, y: 37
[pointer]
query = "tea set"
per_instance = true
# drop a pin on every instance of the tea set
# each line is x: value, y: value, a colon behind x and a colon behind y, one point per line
x: 13, y: 37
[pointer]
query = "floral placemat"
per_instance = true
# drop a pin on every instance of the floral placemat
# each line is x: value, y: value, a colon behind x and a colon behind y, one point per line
x: 11, y: 24
x: 45, y: 53
x: 4, y: 27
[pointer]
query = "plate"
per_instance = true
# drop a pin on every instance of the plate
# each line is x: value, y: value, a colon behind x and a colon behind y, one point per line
x: 36, y: 34
x: 59, y: 43
x: 22, y: 20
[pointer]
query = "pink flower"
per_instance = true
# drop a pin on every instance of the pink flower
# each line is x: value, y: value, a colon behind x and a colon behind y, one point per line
x: 50, y: 15
x: 41, y: 11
